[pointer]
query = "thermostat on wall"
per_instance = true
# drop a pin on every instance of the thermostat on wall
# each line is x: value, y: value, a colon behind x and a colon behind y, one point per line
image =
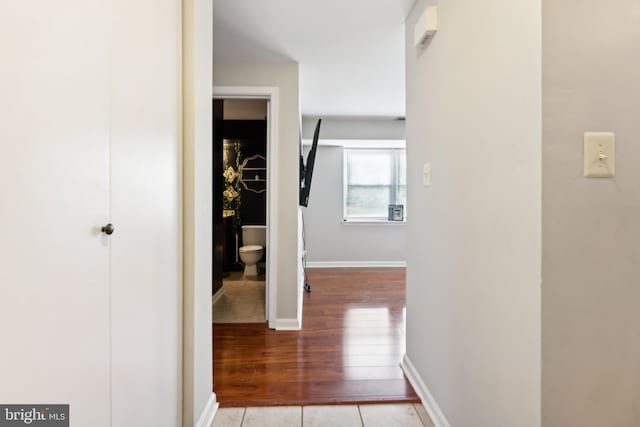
x: 426, y: 26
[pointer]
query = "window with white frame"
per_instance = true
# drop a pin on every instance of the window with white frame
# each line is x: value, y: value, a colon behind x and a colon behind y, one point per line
x: 373, y: 180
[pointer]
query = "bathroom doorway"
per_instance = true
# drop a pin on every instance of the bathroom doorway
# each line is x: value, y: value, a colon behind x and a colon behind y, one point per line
x: 241, y: 196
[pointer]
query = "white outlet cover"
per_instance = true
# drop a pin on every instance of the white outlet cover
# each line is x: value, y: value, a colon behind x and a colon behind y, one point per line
x: 599, y: 154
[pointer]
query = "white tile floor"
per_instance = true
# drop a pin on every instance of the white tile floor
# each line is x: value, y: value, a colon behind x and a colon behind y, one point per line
x: 243, y: 300
x: 384, y: 415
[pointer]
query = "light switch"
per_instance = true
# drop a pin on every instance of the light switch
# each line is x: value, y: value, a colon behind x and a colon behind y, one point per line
x: 426, y: 175
x: 599, y: 154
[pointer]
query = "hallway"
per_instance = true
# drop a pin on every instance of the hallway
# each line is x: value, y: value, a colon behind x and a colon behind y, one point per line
x: 349, y: 350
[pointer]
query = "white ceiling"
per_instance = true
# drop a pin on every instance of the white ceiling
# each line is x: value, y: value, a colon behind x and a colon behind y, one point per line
x: 351, y: 52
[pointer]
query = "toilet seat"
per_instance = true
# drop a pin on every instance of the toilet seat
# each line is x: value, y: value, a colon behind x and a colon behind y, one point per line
x: 250, y: 248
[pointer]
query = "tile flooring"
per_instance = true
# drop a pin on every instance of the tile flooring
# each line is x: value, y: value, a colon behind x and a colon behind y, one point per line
x: 243, y: 300
x: 384, y: 415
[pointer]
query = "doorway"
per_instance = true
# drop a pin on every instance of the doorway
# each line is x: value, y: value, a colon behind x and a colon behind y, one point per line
x: 240, y: 144
x: 256, y: 178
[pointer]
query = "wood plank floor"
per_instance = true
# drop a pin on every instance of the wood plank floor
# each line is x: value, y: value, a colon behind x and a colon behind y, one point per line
x: 348, y: 351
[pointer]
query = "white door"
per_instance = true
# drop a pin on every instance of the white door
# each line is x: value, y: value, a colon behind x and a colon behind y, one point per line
x: 89, y: 134
x: 54, y: 196
x: 145, y: 211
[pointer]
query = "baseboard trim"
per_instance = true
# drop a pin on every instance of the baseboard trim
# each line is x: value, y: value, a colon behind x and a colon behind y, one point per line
x: 217, y: 295
x: 428, y: 401
x: 209, y: 413
x: 287, y: 325
x: 355, y: 264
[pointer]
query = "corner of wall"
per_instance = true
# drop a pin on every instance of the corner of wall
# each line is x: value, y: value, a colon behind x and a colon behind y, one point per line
x: 209, y: 412
x: 428, y: 401
x: 288, y: 324
x: 197, y: 30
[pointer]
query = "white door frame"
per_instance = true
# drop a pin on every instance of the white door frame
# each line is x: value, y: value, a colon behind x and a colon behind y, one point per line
x: 271, y: 94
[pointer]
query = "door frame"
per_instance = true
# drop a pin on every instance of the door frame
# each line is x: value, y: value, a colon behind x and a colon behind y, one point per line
x: 271, y: 95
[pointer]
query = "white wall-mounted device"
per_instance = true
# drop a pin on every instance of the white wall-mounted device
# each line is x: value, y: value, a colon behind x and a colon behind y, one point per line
x: 426, y: 175
x: 599, y: 154
x: 426, y: 26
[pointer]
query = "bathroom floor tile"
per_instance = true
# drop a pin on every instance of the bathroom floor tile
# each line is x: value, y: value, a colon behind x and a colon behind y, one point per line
x: 228, y: 417
x: 390, y: 415
x: 243, y: 301
x: 280, y: 416
x: 331, y: 416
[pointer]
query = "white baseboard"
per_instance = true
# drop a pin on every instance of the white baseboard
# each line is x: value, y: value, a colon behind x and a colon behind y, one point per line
x: 287, y: 325
x: 429, y: 403
x: 209, y: 413
x: 217, y: 295
x: 355, y: 264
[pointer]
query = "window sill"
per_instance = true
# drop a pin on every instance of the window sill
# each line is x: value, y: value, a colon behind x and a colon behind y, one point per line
x: 372, y: 222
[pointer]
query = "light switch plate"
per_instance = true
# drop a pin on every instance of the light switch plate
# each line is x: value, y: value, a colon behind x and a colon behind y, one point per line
x: 599, y: 154
x: 426, y: 175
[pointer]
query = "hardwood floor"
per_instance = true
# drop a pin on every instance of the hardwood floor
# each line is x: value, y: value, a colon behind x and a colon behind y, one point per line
x: 348, y: 351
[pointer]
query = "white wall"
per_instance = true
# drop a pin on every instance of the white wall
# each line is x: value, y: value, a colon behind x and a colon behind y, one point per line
x: 354, y: 128
x: 285, y: 77
x: 245, y: 109
x: 198, y: 400
x: 591, y: 227
x: 474, y: 244
x: 328, y: 237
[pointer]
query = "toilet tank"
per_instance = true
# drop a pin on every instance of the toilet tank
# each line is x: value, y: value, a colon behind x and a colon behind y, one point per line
x: 254, y: 235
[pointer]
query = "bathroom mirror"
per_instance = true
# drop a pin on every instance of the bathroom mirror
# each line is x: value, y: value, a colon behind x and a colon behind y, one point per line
x: 253, y: 174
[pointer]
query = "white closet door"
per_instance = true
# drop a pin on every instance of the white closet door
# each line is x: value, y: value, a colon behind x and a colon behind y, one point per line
x: 145, y: 210
x: 54, y: 188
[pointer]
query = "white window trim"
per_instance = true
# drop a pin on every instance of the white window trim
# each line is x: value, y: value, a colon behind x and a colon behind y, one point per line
x: 394, y: 184
x: 372, y: 222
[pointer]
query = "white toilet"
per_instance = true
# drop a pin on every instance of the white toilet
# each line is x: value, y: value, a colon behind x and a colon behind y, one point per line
x: 254, y: 239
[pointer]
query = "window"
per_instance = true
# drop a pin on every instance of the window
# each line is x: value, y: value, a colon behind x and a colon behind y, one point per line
x: 373, y: 180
